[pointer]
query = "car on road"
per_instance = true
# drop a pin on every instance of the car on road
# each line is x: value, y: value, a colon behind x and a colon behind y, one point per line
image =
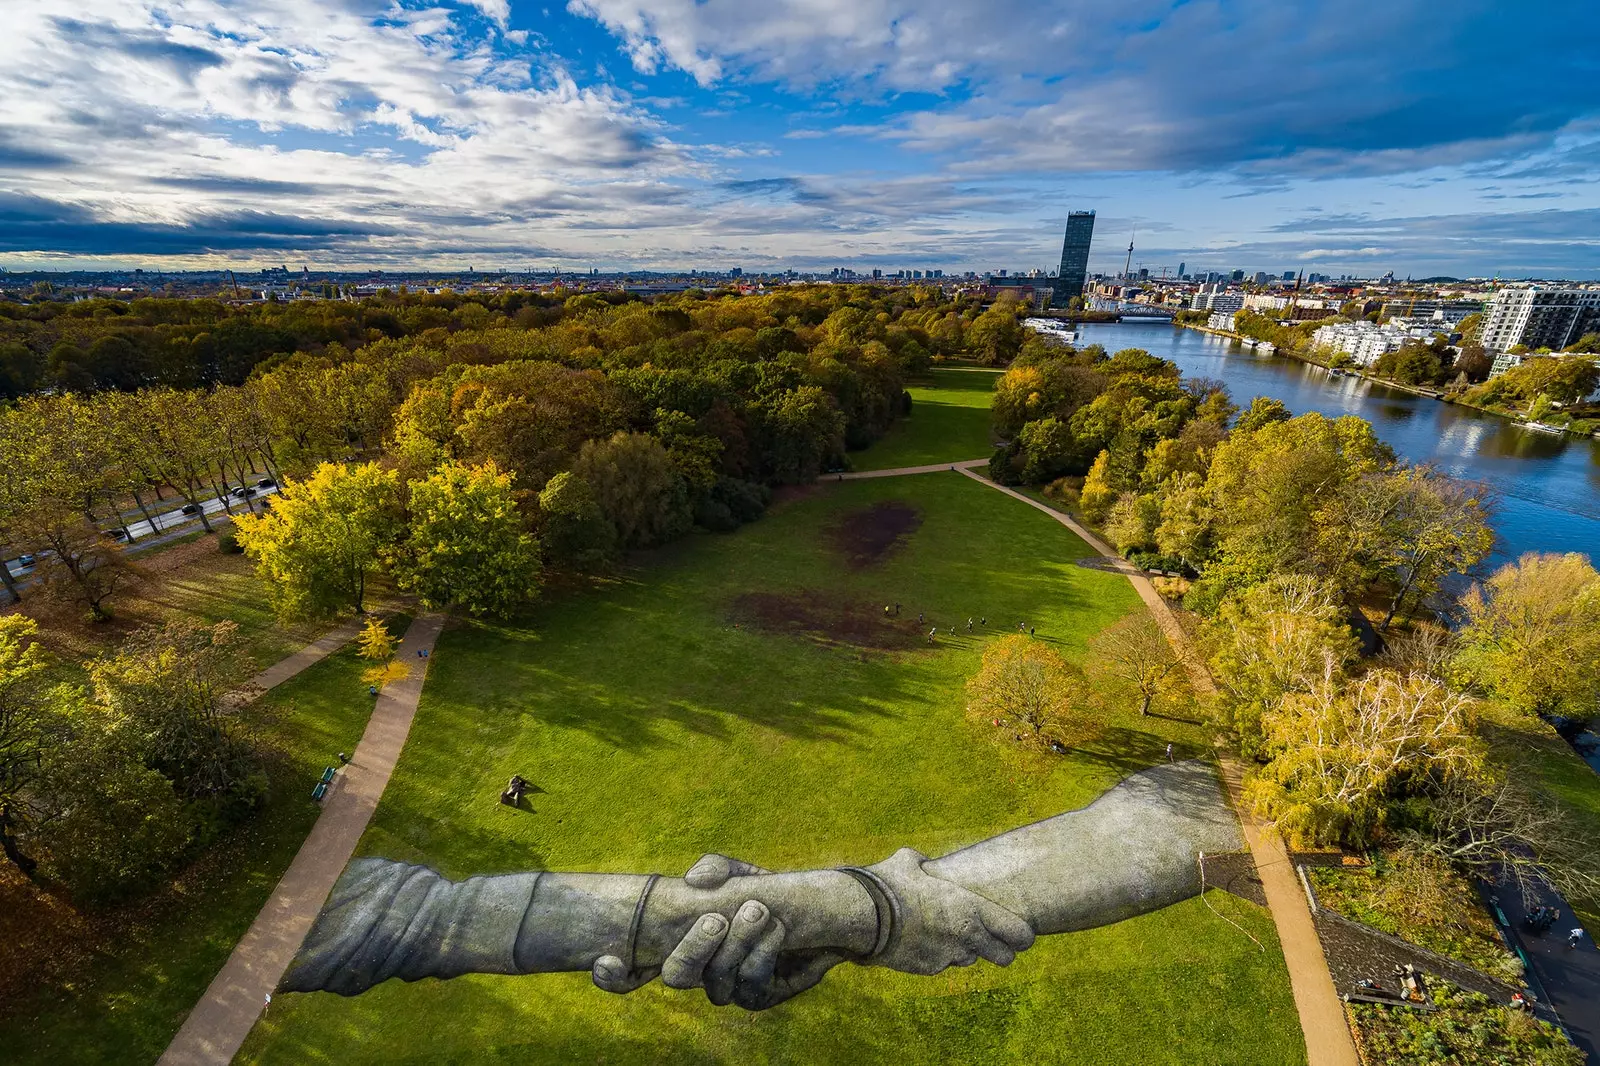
x: 26, y: 559
x: 266, y: 483
x: 191, y: 508
x: 242, y: 491
x: 115, y: 534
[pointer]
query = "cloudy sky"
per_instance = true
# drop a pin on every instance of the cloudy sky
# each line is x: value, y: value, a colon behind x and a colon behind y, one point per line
x: 1341, y: 137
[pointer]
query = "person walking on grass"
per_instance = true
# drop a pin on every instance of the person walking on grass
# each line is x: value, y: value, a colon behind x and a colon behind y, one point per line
x: 1169, y: 752
x: 931, y: 632
x: 969, y: 625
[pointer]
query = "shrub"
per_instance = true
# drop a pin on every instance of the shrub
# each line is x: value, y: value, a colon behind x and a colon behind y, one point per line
x: 228, y: 544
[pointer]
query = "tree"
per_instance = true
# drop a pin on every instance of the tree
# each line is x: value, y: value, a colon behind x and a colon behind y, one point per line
x: 377, y: 643
x: 1049, y: 449
x: 573, y: 530
x: 1341, y: 750
x: 324, y: 536
x: 1492, y: 824
x: 1135, y: 652
x: 636, y: 488
x: 1025, y: 683
x: 1531, y: 636
x: 466, y: 544
x: 115, y: 822
x: 26, y: 730
x: 1263, y: 411
x: 996, y: 335
x: 167, y: 687
x: 1273, y: 639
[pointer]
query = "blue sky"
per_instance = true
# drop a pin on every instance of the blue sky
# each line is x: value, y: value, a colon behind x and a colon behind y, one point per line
x: 1335, y: 137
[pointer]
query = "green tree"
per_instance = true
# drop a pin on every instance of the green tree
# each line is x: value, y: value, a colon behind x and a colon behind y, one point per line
x: 324, y: 536
x: 996, y: 336
x: 116, y: 824
x: 574, y: 531
x: 1049, y: 449
x: 638, y: 491
x: 466, y: 543
x: 1134, y: 652
x: 167, y: 688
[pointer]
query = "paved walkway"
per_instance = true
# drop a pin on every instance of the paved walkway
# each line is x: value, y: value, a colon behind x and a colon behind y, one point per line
x: 900, y: 471
x: 1322, y: 1018
x: 224, y: 1016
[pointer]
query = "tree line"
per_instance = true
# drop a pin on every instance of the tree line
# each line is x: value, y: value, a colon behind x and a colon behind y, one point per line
x: 1282, y: 533
x: 460, y: 455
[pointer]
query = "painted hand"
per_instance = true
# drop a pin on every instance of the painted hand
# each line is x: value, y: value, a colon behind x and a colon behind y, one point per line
x: 741, y: 961
x: 941, y: 924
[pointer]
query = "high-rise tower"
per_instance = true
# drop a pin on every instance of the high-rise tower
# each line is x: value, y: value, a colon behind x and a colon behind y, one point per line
x: 1074, y: 256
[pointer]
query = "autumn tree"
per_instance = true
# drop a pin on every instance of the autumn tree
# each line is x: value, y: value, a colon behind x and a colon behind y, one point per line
x: 377, y: 643
x: 27, y: 730
x: 1136, y: 653
x: 1531, y: 635
x: 466, y: 543
x: 1341, y: 750
x: 324, y: 536
x: 1034, y: 691
x: 1272, y: 640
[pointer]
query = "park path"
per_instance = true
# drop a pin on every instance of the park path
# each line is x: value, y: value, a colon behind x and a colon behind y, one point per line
x: 1322, y: 1017
x: 218, y: 1024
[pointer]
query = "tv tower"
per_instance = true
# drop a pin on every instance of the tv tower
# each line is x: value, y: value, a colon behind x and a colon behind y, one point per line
x: 1129, y: 264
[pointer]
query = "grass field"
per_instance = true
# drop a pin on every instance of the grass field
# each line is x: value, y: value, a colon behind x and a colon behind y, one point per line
x: 683, y: 708
x: 122, y: 982
x: 949, y: 421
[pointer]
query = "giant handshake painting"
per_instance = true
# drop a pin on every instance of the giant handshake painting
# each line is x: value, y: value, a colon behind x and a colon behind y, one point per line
x: 755, y: 938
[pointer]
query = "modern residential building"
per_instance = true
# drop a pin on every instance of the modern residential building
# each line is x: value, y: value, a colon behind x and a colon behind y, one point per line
x: 1222, y: 320
x: 1540, y: 317
x: 1365, y: 342
x: 1074, y: 256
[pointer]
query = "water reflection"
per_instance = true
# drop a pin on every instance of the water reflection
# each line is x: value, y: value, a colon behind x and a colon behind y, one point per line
x: 1549, y: 484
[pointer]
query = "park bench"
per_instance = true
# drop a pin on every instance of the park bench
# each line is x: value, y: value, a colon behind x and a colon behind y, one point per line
x: 321, y: 788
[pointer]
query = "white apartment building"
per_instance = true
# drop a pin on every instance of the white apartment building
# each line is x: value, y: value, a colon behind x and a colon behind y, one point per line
x: 1539, y: 317
x: 1365, y: 342
x: 1222, y: 320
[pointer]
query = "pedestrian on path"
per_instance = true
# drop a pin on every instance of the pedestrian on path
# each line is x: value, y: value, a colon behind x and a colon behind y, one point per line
x: 1169, y: 752
x: 969, y: 625
x: 1574, y: 937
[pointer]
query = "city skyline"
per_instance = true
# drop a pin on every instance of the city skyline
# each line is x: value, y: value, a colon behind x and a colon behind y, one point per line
x: 650, y: 134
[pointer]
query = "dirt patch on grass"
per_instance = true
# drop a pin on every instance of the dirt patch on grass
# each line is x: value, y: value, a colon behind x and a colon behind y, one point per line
x: 872, y: 534
x: 826, y: 618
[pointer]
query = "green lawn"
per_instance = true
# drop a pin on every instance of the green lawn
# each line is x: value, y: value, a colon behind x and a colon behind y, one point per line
x: 949, y: 421
x: 656, y: 728
x: 138, y: 976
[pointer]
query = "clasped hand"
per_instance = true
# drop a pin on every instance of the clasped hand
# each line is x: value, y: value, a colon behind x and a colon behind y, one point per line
x: 938, y: 924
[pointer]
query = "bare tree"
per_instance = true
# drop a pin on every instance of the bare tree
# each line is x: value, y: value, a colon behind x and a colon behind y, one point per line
x: 1137, y: 652
x: 1496, y: 827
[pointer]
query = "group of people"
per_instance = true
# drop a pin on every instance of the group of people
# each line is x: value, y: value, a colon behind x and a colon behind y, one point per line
x: 893, y: 610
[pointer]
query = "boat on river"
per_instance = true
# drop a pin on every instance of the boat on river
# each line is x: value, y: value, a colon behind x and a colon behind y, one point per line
x: 1542, y: 427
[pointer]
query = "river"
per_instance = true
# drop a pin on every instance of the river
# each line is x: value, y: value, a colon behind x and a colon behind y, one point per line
x: 1547, y: 485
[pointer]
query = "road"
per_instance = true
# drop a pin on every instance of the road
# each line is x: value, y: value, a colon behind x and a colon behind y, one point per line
x: 161, y: 528
x: 1570, y: 976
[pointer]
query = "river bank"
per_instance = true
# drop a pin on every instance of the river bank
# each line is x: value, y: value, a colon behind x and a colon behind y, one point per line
x: 1415, y: 390
x: 1547, y: 484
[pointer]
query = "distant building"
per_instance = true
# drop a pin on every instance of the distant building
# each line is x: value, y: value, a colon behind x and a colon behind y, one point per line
x: 1181, y: 270
x: 1540, y: 317
x: 1074, y: 270
x: 1222, y: 320
x: 1448, y: 311
x: 1261, y: 277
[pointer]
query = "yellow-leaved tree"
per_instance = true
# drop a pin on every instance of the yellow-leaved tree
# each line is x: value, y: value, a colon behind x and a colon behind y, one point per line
x: 1036, y: 695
